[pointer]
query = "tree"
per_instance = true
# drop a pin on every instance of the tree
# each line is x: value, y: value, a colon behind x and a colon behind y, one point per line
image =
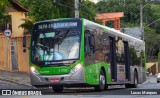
x: 88, y: 10
x: 152, y: 40
x: 129, y: 7
x: 62, y: 9
x: 27, y: 25
x: 47, y: 9
x: 26, y: 3
x: 66, y: 8
x: 42, y: 10
x: 3, y: 18
x: 153, y: 14
x: 159, y: 56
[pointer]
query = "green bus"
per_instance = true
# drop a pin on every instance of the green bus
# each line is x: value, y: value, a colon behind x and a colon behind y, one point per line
x: 75, y: 52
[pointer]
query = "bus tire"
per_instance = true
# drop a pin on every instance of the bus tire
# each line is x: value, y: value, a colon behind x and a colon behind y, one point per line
x: 102, y: 82
x: 57, y: 89
x: 135, y: 84
x: 128, y: 85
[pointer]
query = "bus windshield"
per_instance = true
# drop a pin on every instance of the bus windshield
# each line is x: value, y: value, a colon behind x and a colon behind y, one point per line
x: 56, y: 45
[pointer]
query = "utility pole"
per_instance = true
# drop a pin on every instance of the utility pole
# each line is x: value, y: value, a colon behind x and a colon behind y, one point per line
x: 141, y: 21
x: 76, y: 2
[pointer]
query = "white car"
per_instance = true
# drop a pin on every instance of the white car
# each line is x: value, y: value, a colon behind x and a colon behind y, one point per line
x: 158, y: 78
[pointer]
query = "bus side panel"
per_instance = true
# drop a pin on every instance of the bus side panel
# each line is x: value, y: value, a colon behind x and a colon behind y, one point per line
x: 92, y: 73
x: 98, y: 57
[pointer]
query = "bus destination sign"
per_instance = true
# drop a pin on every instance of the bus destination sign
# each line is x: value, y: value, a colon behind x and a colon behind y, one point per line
x: 57, y: 25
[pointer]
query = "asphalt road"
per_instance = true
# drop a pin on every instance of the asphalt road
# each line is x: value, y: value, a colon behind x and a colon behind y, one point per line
x: 9, y: 85
x: 112, y: 92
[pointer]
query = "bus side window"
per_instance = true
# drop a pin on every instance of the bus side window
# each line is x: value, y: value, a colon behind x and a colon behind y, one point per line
x: 89, y: 43
x: 87, y: 49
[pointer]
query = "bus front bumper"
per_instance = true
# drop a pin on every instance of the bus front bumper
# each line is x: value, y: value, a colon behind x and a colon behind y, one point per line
x: 67, y: 79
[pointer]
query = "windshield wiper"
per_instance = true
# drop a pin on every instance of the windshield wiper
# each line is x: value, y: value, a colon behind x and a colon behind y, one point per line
x: 64, y: 36
x: 51, y: 42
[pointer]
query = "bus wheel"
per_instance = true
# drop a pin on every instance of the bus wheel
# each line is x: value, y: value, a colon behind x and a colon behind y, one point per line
x: 57, y: 89
x: 135, y: 84
x: 102, y: 82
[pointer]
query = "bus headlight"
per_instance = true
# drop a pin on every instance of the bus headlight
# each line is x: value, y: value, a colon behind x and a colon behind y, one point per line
x: 34, y: 71
x: 76, y: 68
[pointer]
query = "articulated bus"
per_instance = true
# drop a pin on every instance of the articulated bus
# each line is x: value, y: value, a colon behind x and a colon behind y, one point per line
x: 75, y: 52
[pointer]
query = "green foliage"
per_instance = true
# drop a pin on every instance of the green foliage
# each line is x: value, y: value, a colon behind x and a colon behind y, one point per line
x: 46, y: 9
x: 159, y: 56
x: 42, y: 10
x: 129, y: 7
x: 154, y: 16
x: 27, y: 25
x: 65, y: 9
x: 152, y: 40
x: 26, y: 3
x: 3, y: 18
x: 88, y: 10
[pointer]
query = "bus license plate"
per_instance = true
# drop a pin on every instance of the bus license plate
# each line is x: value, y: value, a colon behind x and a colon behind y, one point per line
x: 54, y: 80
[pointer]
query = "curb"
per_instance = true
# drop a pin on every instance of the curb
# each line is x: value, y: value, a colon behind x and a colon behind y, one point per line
x: 13, y: 81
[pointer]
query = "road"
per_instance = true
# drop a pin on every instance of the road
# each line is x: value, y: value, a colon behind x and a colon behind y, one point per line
x: 87, y: 92
x: 8, y: 85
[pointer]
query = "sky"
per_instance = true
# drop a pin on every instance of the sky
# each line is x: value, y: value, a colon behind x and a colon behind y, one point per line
x: 95, y: 1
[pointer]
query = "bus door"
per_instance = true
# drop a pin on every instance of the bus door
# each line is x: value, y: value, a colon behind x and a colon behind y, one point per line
x: 127, y: 61
x: 113, y: 59
x: 120, y: 60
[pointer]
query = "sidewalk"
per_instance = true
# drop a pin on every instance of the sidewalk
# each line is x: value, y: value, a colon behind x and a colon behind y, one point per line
x: 16, y: 77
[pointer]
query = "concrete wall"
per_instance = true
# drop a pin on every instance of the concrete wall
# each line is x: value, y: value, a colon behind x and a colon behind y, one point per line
x: 16, y: 21
x: 22, y: 58
x: 3, y: 53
